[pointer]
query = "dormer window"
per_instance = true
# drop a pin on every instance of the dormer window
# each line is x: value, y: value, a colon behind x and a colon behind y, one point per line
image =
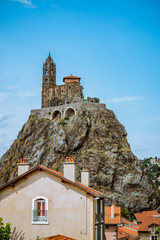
x: 46, y: 72
x: 40, y: 210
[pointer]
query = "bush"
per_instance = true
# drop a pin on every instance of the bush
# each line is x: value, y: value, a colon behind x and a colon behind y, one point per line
x: 62, y: 123
x: 5, y: 232
x: 125, y: 213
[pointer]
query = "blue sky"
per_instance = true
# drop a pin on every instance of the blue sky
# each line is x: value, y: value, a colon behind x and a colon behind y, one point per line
x: 113, y: 45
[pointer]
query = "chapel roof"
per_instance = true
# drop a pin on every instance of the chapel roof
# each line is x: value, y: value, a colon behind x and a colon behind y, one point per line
x: 71, y: 77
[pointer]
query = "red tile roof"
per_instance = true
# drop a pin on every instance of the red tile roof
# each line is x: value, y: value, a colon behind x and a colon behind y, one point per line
x: 140, y: 216
x: 58, y: 237
x: 88, y: 190
x: 129, y: 223
x: 71, y: 76
x: 117, y: 215
x: 148, y: 221
x: 131, y: 232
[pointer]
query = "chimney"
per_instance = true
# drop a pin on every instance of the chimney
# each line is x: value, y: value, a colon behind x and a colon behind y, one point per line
x: 85, y: 178
x: 112, y: 211
x: 23, y: 166
x: 70, y: 169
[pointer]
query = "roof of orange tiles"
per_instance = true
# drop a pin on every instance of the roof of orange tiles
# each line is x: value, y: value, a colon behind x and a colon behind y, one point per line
x: 71, y: 76
x: 127, y: 222
x: 88, y: 190
x: 117, y: 215
x: 58, y: 237
x: 130, y: 231
x: 140, y: 216
x: 148, y: 221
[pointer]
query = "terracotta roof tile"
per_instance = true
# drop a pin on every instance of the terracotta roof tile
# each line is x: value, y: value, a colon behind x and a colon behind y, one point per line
x: 88, y: 190
x: 117, y: 215
x: 58, y: 237
x: 130, y: 231
x: 140, y: 216
x: 129, y: 223
x: 71, y: 76
x: 148, y: 221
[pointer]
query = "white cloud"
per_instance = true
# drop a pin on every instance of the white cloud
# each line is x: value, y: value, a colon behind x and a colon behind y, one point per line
x: 25, y: 94
x: 10, y: 87
x: 27, y: 3
x: 3, y: 96
x: 6, y: 74
x: 124, y: 99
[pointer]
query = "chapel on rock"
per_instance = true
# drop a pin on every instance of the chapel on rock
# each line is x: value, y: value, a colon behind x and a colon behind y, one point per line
x: 54, y: 95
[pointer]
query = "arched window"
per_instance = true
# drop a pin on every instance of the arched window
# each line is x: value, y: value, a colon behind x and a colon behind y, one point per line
x: 52, y: 72
x: 46, y: 72
x: 39, y: 210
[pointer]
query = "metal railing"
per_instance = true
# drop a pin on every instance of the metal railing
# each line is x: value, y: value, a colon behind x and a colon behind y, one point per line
x: 40, y: 215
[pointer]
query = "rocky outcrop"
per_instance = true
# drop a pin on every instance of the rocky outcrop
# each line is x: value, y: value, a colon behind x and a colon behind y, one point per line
x: 96, y: 139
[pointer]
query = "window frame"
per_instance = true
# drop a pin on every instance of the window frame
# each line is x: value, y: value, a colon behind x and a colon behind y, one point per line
x: 33, y: 208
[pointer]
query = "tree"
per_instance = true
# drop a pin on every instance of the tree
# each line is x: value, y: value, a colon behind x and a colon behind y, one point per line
x: 125, y: 213
x: 5, y: 232
x: 158, y: 231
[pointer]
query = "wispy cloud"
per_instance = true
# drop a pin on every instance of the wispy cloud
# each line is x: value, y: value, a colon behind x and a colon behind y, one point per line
x: 25, y: 94
x: 123, y: 99
x: 11, y: 87
x: 6, y: 74
x: 26, y: 3
x: 3, y: 96
x: 3, y: 120
x: 154, y: 118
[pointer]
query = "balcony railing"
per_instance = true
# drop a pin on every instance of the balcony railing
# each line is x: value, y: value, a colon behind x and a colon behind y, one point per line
x: 40, y: 215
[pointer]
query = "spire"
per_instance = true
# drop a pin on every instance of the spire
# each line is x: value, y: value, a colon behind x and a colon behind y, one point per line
x: 49, y: 59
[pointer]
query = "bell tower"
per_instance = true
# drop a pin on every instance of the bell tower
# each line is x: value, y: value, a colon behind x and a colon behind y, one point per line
x: 48, y: 80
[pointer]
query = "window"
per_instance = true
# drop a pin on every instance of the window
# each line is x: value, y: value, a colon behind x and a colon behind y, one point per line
x: 46, y: 72
x: 52, y: 72
x: 101, y: 210
x: 69, y: 87
x: 102, y: 235
x: 96, y: 212
x: 40, y: 210
x: 46, y: 80
x: 154, y: 237
x: 96, y: 233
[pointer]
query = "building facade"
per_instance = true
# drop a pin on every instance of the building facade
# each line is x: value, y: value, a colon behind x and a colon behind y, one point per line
x: 54, y: 95
x: 42, y: 202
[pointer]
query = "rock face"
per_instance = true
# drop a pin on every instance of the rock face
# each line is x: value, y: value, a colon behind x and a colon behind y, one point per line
x: 96, y: 139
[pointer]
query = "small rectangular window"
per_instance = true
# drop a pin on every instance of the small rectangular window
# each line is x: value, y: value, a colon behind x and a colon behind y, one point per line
x: 102, y: 234
x: 96, y: 233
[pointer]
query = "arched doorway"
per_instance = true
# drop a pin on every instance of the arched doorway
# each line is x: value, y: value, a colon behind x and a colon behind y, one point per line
x: 70, y: 112
x: 56, y: 115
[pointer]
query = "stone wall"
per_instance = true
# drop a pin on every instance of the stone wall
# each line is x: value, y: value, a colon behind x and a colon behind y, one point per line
x: 48, y: 112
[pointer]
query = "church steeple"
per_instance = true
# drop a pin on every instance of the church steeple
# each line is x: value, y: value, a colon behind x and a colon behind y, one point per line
x: 49, y: 77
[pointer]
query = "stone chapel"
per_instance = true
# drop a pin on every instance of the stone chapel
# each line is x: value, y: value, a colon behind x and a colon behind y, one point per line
x: 54, y: 95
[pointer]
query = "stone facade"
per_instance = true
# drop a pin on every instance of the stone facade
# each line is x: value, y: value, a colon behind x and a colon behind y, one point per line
x: 54, y: 95
x: 66, y: 110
